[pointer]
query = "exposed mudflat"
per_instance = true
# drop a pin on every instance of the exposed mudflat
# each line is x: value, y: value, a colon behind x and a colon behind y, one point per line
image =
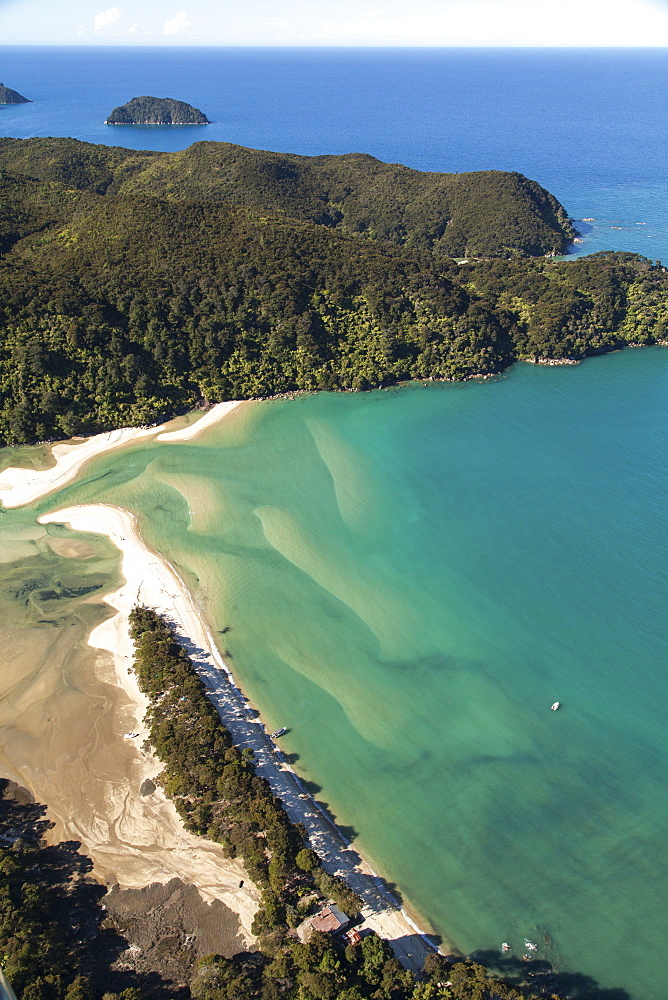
x: 169, y: 926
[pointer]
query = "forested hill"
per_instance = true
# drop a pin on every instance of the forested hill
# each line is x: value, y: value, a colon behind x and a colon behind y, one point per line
x: 123, y: 308
x: 156, y: 111
x: 488, y: 213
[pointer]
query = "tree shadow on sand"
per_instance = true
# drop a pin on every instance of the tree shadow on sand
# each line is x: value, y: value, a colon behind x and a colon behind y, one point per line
x: 349, y: 833
x: 60, y: 876
x: 540, y: 977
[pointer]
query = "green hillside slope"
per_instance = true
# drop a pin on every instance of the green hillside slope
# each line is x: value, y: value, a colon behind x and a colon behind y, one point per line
x: 487, y: 213
x: 121, y: 309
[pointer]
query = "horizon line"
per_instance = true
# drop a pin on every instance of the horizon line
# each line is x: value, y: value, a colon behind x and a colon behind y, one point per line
x: 328, y: 47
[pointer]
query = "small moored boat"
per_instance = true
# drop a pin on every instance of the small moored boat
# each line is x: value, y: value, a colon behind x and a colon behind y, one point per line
x: 555, y: 705
x: 279, y: 732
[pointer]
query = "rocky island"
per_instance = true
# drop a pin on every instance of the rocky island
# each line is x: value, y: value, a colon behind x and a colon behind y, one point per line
x: 9, y: 96
x: 156, y: 111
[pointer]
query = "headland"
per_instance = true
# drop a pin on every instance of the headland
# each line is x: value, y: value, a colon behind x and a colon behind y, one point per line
x: 9, y: 96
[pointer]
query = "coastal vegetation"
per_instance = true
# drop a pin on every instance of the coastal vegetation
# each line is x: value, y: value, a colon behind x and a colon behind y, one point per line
x: 156, y: 111
x: 215, y: 789
x: 486, y: 213
x: 213, y: 784
x: 134, y: 287
x: 57, y: 941
x: 53, y: 945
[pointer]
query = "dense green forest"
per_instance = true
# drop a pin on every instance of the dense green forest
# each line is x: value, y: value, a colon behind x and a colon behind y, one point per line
x: 123, y: 302
x: 156, y: 111
x: 53, y: 945
x: 490, y: 213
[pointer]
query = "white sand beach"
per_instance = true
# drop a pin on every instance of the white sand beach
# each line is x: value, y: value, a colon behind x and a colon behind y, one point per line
x: 140, y: 838
x: 19, y: 486
x: 151, y: 580
x: 210, y: 417
x: 136, y: 839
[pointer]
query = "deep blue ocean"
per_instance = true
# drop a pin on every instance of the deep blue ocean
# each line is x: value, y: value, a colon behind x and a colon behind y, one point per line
x: 590, y: 125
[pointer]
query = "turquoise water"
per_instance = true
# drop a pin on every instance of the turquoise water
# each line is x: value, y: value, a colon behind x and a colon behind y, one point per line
x: 410, y: 579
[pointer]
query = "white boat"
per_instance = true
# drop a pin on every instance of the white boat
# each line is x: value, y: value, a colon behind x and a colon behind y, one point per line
x: 505, y: 947
x: 279, y: 732
x: 555, y: 706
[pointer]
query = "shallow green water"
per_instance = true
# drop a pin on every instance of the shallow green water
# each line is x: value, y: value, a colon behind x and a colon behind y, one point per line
x: 410, y: 579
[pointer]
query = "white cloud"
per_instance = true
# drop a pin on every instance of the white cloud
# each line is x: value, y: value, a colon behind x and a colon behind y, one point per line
x: 500, y: 22
x: 106, y: 18
x: 339, y: 22
x: 82, y: 29
x: 177, y: 25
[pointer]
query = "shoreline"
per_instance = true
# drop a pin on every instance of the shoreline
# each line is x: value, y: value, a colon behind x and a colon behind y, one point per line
x: 140, y: 839
x: 20, y: 486
x: 152, y: 580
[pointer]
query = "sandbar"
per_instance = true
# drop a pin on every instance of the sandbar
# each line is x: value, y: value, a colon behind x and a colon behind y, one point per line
x: 152, y: 581
x: 20, y: 486
x: 209, y: 418
x: 133, y: 839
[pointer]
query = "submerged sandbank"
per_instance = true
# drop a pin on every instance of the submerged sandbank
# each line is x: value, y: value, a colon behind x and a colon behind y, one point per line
x: 21, y: 486
x: 134, y: 840
x: 152, y: 581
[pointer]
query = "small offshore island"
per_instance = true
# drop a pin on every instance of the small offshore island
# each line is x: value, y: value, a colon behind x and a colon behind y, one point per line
x: 156, y: 111
x: 9, y: 96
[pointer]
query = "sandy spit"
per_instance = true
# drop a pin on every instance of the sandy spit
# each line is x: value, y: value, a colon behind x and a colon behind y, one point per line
x: 23, y: 486
x: 211, y: 417
x: 152, y: 581
x: 142, y: 839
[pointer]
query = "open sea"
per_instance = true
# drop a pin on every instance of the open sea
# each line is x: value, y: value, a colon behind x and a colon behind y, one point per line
x: 411, y: 577
x: 588, y: 124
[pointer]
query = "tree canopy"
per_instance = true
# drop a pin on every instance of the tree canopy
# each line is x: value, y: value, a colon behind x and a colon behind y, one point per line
x: 129, y: 293
x: 156, y: 111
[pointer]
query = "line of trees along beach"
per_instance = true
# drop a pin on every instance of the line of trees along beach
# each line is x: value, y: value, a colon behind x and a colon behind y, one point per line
x: 219, y: 795
x: 57, y: 943
x: 133, y: 287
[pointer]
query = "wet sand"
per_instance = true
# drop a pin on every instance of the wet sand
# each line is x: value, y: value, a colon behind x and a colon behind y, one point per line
x: 21, y: 486
x: 70, y: 722
x: 63, y: 716
x: 151, y: 580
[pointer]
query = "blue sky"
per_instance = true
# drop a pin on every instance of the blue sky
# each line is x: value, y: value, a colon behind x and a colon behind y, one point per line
x: 335, y: 22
